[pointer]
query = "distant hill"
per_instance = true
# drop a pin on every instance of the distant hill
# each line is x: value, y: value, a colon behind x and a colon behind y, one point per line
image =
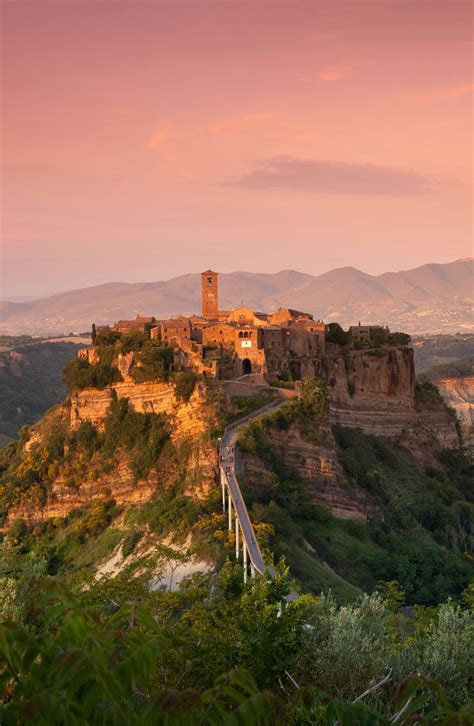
x: 428, y: 299
x: 439, y: 352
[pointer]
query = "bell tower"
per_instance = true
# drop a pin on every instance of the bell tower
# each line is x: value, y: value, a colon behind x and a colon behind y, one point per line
x: 210, y: 305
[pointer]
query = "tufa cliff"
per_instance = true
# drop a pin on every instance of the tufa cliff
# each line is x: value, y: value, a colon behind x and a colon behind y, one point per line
x: 375, y: 391
x: 78, y: 478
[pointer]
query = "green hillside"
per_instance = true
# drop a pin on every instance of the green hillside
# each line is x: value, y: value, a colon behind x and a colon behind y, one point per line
x: 30, y: 382
x: 93, y: 630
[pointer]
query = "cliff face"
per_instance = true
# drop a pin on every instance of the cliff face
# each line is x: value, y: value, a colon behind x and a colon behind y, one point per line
x: 378, y: 394
x: 195, y: 458
x: 189, y: 419
x: 313, y: 457
x: 375, y: 392
x: 458, y: 393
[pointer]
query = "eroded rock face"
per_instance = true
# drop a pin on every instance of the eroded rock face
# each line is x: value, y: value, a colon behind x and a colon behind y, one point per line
x: 386, y: 377
x: 92, y: 404
x: 458, y: 393
x: 190, y: 424
x: 125, y: 363
x: 377, y: 393
x: 91, y: 355
x: 314, y: 459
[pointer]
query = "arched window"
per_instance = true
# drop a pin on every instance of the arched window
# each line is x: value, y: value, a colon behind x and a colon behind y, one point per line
x: 246, y: 335
x: 241, y: 335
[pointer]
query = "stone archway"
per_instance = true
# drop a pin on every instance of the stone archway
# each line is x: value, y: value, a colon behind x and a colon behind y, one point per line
x: 246, y: 367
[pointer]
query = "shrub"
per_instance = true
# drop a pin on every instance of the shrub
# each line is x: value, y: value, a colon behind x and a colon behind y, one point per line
x: 155, y: 363
x: 130, y: 542
x: 142, y: 434
x: 335, y: 334
x: 399, y: 339
x: 87, y: 438
x: 184, y: 384
x: 79, y: 374
x: 106, y: 336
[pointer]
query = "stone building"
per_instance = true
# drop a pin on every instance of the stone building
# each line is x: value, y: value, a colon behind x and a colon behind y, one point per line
x: 141, y: 324
x: 231, y: 343
x: 209, y: 295
x: 179, y: 327
x: 368, y: 333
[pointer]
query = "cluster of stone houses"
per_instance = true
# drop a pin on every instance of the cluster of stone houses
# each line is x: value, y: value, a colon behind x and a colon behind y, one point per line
x: 229, y: 343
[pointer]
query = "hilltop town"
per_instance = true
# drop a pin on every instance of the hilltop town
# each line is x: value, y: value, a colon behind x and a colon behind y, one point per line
x: 227, y: 344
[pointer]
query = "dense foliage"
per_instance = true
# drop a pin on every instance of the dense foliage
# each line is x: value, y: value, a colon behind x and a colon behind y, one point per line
x: 79, y: 374
x: 335, y: 334
x: 117, y: 653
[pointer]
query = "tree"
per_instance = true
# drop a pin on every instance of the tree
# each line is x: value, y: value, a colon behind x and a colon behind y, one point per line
x: 335, y: 334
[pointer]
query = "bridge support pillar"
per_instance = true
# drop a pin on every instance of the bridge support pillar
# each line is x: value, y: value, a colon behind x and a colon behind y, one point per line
x: 252, y: 570
x: 236, y: 538
x: 245, y: 561
x: 223, y: 493
x: 230, y: 512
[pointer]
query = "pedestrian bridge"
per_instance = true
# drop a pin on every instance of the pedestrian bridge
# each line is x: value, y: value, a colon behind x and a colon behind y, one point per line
x: 246, y: 545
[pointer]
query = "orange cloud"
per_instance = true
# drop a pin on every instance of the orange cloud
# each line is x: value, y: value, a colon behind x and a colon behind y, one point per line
x: 337, y: 73
x: 449, y: 93
x: 160, y: 137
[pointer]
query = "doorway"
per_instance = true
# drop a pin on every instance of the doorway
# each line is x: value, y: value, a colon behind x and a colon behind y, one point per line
x: 246, y: 367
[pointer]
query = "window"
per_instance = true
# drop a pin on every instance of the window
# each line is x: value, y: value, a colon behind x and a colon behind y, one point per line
x: 209, y: 281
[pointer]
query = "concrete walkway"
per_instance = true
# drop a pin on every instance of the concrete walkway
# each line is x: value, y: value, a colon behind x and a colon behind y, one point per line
x: 236, y: 506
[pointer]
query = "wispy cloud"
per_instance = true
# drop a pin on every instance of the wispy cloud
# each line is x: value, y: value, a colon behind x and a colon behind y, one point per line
x: 189, y: 150
x: 330, y: 177
x: 449, y: 93
x: 336, y: 73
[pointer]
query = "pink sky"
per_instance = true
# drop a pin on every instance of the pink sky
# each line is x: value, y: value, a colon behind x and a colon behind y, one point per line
x: 141, y: 140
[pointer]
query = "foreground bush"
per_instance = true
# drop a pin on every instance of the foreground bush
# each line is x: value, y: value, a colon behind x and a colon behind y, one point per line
x: 91, y: 660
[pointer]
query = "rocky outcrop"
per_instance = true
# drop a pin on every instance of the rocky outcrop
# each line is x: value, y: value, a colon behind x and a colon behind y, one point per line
x: 458, y: 394
x: 313, y: 457
x: 63, y: 497
x: 386, y: 376
x: 376, y: 391
x: 92, y: 404
x: 91, y: 355
x: 194, y: 462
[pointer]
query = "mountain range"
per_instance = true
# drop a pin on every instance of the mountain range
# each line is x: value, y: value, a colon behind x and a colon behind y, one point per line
x: 428, y: 299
